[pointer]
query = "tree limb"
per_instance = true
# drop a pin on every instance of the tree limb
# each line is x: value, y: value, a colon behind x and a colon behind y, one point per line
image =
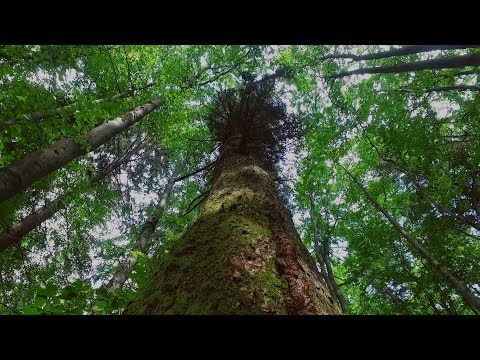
x: 195, y: 172
x: 472, y: 300
x: 406, y: 50
x: 458, y: 61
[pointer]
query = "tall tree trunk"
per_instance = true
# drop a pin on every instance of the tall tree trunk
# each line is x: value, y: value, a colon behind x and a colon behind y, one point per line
x: 141, y: 245
x: 458, y: 61
x: 417, y: 283
x: 323, y: 257
x: 318, y: 250
x: 405, y: 50
x: 33, y: 167
x: 458, y: 285
x: 16, y: 232
x: 328, y: 264
x: 241, y: 256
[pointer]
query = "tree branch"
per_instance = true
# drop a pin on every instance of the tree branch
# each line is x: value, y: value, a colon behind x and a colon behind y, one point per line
x: 452, y: 280
x: 459, y: 61
x: 406, y: 50
x: 195, y: 172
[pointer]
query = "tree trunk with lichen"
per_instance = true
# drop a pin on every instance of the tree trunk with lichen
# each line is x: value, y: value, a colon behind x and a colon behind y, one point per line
x: 143, y: 241
x: 242, y: 255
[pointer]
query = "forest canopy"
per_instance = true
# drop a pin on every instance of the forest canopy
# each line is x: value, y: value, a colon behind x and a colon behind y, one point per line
x: 207, y: 179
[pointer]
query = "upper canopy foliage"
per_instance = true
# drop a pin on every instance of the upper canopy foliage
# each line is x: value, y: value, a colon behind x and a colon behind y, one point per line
x: 254, y: 115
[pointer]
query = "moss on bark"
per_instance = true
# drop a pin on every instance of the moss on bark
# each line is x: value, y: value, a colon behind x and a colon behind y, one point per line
x: 230, y: 261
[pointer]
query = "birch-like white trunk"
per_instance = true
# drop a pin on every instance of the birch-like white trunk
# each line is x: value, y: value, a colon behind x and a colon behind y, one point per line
x: 35, y: 166
x: 141, y: 245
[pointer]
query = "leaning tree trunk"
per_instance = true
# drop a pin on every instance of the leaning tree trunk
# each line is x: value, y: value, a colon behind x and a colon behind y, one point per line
x: 405, y: 50
x: 241, y: 256
x: 143, y: 241
x: 318, y: 252
x: 35, y: 166
x: 323, y: 259
x: 468, y: 296
x: 451, y: 62
x: 14, y: 234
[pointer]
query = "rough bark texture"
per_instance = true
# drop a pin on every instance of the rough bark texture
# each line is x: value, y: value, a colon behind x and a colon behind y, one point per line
x: 19, y: 176
x: 242, y: 255
x: 459, y: 61
x: 458, y: 285
x: 125, y: 267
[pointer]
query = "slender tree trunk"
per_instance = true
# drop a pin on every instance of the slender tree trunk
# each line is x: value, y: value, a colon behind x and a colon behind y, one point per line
x: 440, y: 207
x: 324, y: 272
x: 328, y: 264
x: 459, y: 61
x: 141, y: 245
x: 16, y: 232
x: 241, y: 256
x: 463, y: 290
x: 406, y: 50
x: 33, y: 167
x: 417, y: 284
x: 321, y: 257
x: 433, y: 304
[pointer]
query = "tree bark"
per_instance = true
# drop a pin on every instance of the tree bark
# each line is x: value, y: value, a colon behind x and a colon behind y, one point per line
x: 406, y: 50
x: 241, y: 256
x: 336, y: 288
x: 463, y: 290
x: 141, y: 245
x: 325, y: 270
x: 16, y: 232
x: 459, y: 61
x: 33, y: 167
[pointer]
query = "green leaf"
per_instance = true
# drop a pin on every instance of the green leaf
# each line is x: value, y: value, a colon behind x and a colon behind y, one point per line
x: 30, y: 310
x: 69, y: 293
x: 49, y: 290
x: 101, y: 304
x: 40, y: 301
